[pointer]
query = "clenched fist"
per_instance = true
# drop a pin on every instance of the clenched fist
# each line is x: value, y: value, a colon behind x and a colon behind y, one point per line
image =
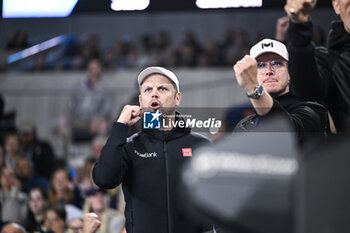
x: 246, y: 73
x: 299, y: 10
x: 130, y: 115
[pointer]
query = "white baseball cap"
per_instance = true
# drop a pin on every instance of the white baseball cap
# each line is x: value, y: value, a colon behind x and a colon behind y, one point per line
x: 157, y: 70
x: 269, y: 46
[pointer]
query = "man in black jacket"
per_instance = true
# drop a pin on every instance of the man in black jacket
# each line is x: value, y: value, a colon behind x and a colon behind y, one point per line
x: 148, y: 164
x: 264, y: 76
x: 321, y: 74
x: 36, y: 150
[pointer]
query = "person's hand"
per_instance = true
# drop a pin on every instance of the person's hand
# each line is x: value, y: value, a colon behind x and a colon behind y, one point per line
x: 130, y: 115
x: 246, y: 73
x: 299, y: 10
x: 281, y: 28
x: 91, y: 223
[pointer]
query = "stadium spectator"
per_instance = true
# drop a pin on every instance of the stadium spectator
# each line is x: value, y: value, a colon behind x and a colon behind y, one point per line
x: 13, y: 201
x: 90, y: 105
x: 27, y: 177
x: 321, y: 74
x: 111, y: 220
x: 13, y: 150
x: 139, y: 163
x: 39, y: 152
x: 54, y: 220
x: 38, y: 203
x: 63, y: 191
x: 264, y: 77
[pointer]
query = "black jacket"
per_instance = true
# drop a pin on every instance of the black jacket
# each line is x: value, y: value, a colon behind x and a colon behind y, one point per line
x: 322, y: 74
x: 148, y: 164
x: 308, y: 119
x: 42, y: 156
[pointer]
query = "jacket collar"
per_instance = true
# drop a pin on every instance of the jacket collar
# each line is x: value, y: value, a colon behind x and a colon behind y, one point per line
x: 287, y: 100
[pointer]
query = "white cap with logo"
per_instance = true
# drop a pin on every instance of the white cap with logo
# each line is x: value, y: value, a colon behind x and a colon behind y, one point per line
x: 269, y: 46
x: 157, y: 70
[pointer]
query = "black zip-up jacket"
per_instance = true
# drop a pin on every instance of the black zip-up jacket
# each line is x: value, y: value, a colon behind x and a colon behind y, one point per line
x: 322, y: 74
x: 308, y: 119
x: 148, y: 164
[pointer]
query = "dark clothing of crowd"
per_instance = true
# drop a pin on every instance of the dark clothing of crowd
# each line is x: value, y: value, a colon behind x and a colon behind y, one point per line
x: 322, y: 73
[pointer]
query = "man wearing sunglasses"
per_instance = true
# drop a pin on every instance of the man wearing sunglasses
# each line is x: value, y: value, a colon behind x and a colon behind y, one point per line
x: 264, y: 76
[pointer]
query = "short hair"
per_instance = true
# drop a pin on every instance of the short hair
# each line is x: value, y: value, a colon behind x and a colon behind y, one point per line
x: 15, y: 225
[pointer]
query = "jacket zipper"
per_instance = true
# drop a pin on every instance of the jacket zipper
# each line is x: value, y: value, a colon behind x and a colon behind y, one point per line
x: 167, y: 185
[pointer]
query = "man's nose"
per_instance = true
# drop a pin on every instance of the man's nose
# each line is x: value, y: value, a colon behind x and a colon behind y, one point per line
x: 155, y: 93
x: 269, y: 70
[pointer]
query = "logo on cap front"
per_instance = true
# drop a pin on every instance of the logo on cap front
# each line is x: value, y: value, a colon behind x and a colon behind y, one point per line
x: 151, y: 120
x: 263, y: 45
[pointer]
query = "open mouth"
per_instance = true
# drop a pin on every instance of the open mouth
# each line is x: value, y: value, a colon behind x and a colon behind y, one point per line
x: 155, y: 105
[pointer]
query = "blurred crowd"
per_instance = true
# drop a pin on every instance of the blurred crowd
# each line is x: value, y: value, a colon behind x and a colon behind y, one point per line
x: 147, y: 50
x: 43, y: 192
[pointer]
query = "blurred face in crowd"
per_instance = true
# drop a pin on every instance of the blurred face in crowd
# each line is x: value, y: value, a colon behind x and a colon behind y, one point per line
x: 342, y: 8
x: 12, y: 228
x: 37, y: 203
x: 12, y: 144
x: 23, y: 169
x: 52, y: 220
x: 27, y: 138
x: 94, y: 69
x: 7, y: 177
x: 273, y: 74
x: 75, y: 226
x: 158, y: 93
x: 60, y: 181
x: 97, y: 202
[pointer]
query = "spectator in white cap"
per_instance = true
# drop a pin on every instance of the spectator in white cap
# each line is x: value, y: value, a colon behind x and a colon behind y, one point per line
x: 148, y: 164
x: 264, y: 76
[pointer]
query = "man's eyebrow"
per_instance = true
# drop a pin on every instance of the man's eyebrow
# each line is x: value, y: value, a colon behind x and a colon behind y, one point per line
x: 145, y: 86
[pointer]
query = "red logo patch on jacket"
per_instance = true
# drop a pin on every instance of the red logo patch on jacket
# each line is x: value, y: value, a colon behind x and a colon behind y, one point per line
x: 187, y: 152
